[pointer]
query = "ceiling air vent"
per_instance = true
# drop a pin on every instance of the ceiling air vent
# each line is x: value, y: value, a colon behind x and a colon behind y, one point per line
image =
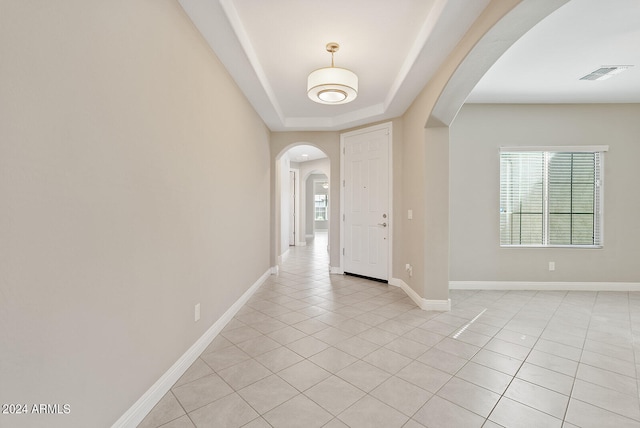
x: 605, y: 72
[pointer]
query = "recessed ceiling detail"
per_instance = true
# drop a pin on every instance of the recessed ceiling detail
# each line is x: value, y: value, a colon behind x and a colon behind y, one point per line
x: 394, y: 47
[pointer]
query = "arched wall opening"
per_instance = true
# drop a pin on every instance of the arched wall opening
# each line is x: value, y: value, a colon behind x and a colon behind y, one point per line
x: 316, y: 194
x: 426, y: 140
x: 292, y: 196
x: 281, y: 142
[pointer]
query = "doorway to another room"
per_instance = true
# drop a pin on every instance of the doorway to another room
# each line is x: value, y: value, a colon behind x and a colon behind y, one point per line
x: 317, y: 207
x: 302, y: 190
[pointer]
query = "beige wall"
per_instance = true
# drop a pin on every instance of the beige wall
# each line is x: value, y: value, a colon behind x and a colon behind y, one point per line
x: 425, y: 154
x: 477, y: 133
x: 119, y: 133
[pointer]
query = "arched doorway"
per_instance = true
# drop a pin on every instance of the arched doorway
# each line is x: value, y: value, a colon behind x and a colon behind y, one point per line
x: 294, y: 200
x: 316, y: 198
x: 427, y: 123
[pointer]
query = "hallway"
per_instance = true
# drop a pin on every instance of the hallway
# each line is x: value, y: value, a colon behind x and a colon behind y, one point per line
x: 312, y: 349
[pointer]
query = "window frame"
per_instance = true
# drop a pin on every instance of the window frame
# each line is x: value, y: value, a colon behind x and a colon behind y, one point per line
x: 545, y: 150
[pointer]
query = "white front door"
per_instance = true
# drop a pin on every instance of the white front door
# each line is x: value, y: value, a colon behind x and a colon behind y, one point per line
x: 366, y: 202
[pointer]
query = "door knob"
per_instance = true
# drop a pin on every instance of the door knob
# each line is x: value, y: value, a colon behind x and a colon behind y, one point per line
x: 382, y: 224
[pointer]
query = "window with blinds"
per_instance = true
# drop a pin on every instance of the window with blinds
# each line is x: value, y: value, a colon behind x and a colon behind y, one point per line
x: 551, y: 198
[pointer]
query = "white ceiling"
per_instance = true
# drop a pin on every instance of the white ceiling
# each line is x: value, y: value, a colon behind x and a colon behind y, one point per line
x: 270, y: 47
x: 546, y: 64
x: 305, y: 153
x: 395, y: 47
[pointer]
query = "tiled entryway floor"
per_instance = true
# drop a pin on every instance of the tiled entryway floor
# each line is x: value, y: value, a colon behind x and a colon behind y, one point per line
x: 314, y: 350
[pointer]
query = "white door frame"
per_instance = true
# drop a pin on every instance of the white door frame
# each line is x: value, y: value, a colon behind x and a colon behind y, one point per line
x: 296, y: 209
x: 388, y: 126
x: 292, y: 208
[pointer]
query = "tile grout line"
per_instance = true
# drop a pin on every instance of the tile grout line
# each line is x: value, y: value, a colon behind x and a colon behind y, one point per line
x: 575, y: 376
x: 304, y: 358
x: 633, y: 348
x: 303, y: 282
x: 604, y: 369
x: 525, y: 359
x: 515, y: 373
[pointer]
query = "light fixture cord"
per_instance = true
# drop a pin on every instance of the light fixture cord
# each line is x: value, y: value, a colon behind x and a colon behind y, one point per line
x: 332, y: 58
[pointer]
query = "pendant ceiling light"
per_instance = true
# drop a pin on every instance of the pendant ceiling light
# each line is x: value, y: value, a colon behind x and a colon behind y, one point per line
x: 332, y: 85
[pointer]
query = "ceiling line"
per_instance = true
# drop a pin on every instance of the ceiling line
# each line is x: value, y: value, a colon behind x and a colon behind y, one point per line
x: 416, y: 48
x: 238, y: 28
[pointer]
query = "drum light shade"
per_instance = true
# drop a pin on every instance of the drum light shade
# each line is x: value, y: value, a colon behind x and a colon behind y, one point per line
x: 332, y: 85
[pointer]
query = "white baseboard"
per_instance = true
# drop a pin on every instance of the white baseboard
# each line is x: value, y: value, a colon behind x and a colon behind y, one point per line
x: 301, y: 244
x: 275, y: 269
x: 132, y: 417
x: 283, y: 257
x: 335, y: 270
x: 544, y: 286
x: 309, y: 236
x: 424, y: 304
x: 436, y: 305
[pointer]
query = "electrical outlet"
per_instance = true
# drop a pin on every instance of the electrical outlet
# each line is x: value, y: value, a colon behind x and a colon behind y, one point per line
x: 409, y: 269
x: 552, y: 266
x: 197, y: 312
x: 410, y: 214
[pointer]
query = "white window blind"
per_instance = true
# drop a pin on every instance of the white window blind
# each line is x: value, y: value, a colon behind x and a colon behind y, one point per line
x: 550, y: 198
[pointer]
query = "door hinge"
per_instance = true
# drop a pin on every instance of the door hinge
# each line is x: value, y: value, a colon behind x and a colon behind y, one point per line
x: 343, y: 251
x: 342, y: 217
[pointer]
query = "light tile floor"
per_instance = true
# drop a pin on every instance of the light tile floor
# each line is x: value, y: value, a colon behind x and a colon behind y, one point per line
x: 314, y: 350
